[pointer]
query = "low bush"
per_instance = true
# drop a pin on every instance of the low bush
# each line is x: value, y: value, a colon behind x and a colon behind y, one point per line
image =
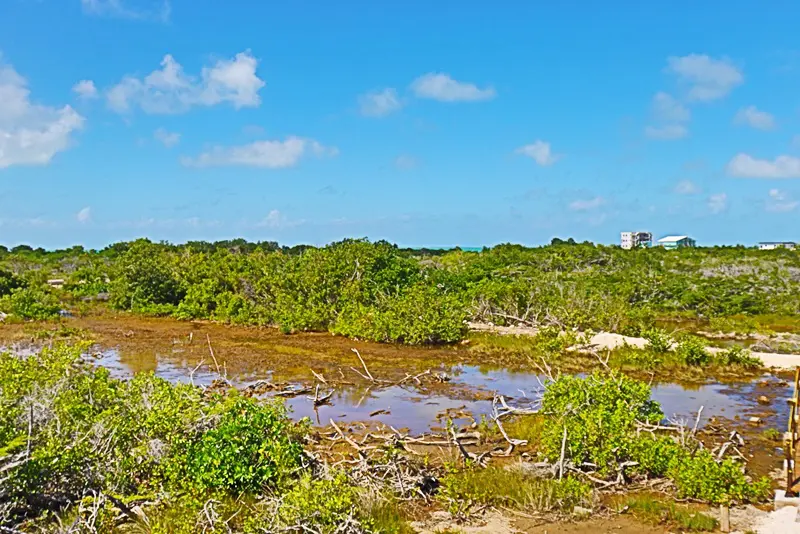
x: 602, y: 415
x: 250, y: 448
x: 462, y: 489
x: 324, y: 503
x: 89, y: 434
x: 599, y: 414
x: 737, y: 355
x: 692, y: 351
x: 701, y: 476
x: 31, y: 303
x: 660, y: 512
x: 658, y: 341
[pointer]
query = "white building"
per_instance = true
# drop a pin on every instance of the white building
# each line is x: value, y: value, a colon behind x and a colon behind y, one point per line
x: 630, y: 240
x: 672, y: 242
x: 772, y: 245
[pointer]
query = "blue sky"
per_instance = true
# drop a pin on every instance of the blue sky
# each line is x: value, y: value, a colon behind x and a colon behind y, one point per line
x: 424, y: 123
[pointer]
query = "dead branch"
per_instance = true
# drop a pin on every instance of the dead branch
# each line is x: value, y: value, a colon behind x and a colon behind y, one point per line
x: 319, y: 377
x: 349, y: 441
x: 319, y: 401
x: 366, y: 370
x: 211, y: 350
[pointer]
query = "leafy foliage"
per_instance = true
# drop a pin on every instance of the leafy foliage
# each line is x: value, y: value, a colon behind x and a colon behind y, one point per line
x: 658, y: 341
x: 31, y: 302
x: 693, y: 351
x: 601, y: 413
x: 250, y: 448
x: 378, y: 291
x: 461, y: 489
x: 92, y: 433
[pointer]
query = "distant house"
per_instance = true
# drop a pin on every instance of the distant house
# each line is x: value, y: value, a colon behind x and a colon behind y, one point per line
x: 676, y: 241
x: 772, y: 245
x: 630, y: 240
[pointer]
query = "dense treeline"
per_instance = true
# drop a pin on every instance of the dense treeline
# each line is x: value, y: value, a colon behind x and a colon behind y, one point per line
x: 378, y: 291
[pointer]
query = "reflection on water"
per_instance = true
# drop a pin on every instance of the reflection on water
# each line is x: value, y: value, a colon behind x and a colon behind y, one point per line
x: 406, y: 407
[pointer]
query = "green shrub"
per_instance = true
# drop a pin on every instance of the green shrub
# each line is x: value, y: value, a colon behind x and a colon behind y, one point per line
x: 420, y: 314
x: 737, y: 355
x: 8, y: 282
x: 145, y: 280
x: 32, y: 303
x: 658, y: 511
x: 251, y: 447
x: 692, y: 351
x: 658, y: 341
x: 599, y: 414
x: 700, y: 476
x: 462, y: 489
x: 323, y: 503
x: 90, y: 432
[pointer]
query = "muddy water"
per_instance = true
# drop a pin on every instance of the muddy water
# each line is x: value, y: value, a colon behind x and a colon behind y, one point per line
x: 466, y: 397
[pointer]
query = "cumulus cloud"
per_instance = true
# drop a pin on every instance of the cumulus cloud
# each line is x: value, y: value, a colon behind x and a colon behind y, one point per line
x: 780, y: 202
x: 168, y: 139
x: 440, y: 86
x: 753, y: 117
x: 85, y: 215
x: 587, y: 204
x: 271, y: 154
x: 277, y: 220
x: 666, y: 132
x: 85, y: 89
x: 718, y: 203
x: 746, y: 166
x: 667, y: 108
x: 154, y: 10
x: 31, y: 134
x: 379, y: 103
x: 170, y: 90
x: 686, y: 187
x: 708, y: 78
x: 540, y: 152
x: 668, y: 113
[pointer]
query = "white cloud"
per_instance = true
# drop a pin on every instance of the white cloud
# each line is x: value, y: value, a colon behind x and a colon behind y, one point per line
x: 264, y: 154
x: 170, y: 90
x: 686, y: 187
x: 155, y: 10
x: 31, y: 134
x: 667, y: 108
x: 379, y: 103
x: 277, y: 220
x: 85, y: 215
x: 751, y: 116
x: 666, y: 132
x: 708, y: 78
x: 440, y: 86
x: 586, y: 205
x: 746, y: 166
x: 85, y: 89
x: 780, y: 202
x: 406, y: 162
x: 540, y: 152
x: 168, y: 139
x: 718, y: 203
